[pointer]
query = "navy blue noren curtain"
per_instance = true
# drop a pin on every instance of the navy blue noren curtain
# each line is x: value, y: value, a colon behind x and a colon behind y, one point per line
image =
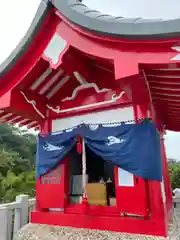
x: 51, y: 149
x: 133, y: 147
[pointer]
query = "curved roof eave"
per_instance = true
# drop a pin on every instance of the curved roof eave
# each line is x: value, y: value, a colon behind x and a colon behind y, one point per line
x: 21, y: 48
x: 130, y: 28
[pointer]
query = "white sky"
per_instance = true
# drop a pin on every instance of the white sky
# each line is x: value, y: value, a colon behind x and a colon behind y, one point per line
x: 165, y: 9
x: 16, y: 16
x: 172, y: 143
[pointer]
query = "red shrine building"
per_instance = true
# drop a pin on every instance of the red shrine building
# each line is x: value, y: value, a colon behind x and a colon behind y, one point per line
x: 80, y: 76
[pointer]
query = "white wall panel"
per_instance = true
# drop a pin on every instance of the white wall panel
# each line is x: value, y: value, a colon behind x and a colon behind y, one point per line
x: 115, y: 115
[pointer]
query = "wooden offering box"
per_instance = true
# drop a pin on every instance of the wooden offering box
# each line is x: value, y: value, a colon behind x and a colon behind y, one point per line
x: 97, y: 194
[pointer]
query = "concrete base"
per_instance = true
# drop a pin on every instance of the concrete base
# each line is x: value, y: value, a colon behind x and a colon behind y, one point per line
x: 45, y: 232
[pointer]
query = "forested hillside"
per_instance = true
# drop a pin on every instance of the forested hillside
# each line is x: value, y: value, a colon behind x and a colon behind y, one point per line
x: 17, y: 163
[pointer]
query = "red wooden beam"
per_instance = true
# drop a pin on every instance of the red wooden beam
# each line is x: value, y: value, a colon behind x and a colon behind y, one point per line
x: 26, y: 104
x: 88, y: 100
x: 88, y: 68
x: 25, y: 63
x: 29, y: 104
x: 5, y: 100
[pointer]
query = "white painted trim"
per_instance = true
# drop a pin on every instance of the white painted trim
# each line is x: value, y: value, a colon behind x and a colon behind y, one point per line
x: 103, y: 117
x: 113, y: 99
x: 169, y: 89
x: 23, y: 121
x: 162, y: 76
x: 32, y: 123
x: 167, y: 100
x: 85, y: 86
x: 41, y: 79
x: 80, y: 78
x: 51, y: 82
x: 33, y: 103
x: 55, y: 47
x: 163, y: 192
x: 177, y: 57
x: 166, y: 69
x: 125, y: 178
x: 6, y: 116
x: 165, y: 94
x: 58, y: 86
x: 176, y: 48
x: 13, y: 119
x: 173, y: 106
x: 165, y: 83
x: 57, y: 109
x: 101, y: 67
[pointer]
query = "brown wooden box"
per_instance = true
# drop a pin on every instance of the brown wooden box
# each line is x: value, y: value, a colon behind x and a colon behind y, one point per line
x: 97, y: 194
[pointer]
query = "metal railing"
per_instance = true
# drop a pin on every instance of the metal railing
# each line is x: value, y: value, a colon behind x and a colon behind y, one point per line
x: 15, y: 215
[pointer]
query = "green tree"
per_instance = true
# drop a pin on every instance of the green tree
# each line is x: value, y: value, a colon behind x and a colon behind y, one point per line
x: 12, y: 160
x: 18, y: 141
x: 17, y: 163
x: 13, y: 185
x: 174, y: 170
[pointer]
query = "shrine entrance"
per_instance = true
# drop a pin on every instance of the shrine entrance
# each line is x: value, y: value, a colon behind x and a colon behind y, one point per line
x: 100, y: 183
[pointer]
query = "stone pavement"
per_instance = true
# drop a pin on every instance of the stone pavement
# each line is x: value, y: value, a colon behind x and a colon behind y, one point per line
x: 45, y: 232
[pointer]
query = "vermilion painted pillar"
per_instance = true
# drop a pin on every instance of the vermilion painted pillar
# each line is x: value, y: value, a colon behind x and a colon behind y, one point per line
x: 45, y: 128
x: 52, y: 189
x: 156, y: 203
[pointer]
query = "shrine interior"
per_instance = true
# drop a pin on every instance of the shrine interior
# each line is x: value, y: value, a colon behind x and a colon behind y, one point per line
x: 98, y: 171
